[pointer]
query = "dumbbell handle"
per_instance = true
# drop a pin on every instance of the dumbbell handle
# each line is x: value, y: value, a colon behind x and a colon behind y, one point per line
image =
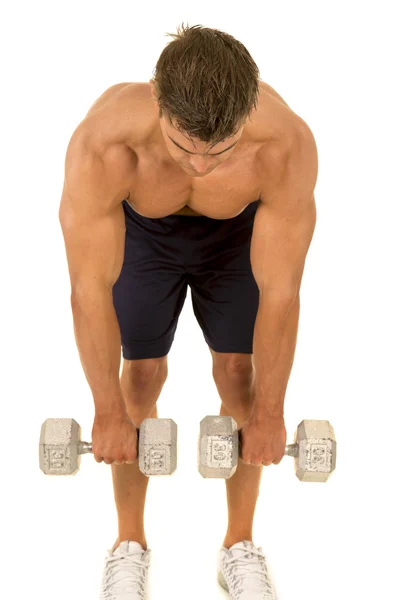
x: 86, y: 447
x: 290, y: 449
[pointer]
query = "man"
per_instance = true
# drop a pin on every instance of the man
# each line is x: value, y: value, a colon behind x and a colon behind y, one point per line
x: 204, y: 177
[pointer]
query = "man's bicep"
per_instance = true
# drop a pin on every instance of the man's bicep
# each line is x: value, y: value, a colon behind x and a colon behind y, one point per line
x: 285, y: 220
x: 95, y: 249
x: 279, y: 247
x: 93, y: 224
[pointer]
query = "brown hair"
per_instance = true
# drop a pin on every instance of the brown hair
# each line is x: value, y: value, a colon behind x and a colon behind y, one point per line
x: 207, y: 82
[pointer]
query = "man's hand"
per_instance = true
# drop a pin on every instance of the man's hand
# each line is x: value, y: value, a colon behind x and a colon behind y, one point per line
x: 263, y: 442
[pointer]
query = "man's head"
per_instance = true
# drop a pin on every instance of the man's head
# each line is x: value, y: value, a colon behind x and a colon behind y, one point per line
x: 206, y: 84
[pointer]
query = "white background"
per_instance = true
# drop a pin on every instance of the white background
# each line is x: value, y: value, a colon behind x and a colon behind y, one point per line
x: 335, y: 64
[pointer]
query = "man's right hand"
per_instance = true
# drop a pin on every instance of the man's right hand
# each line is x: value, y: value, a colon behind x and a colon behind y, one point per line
x: 114, y: 440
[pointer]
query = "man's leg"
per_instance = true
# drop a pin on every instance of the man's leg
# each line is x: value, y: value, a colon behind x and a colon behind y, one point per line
x: 141, y: 384
x: 234, y: 378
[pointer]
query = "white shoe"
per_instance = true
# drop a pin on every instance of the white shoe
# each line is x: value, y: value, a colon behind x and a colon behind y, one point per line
x: 125, y: 573
x: 243, y: 573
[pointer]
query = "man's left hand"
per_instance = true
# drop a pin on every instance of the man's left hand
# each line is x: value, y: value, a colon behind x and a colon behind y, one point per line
x: 263, y: 441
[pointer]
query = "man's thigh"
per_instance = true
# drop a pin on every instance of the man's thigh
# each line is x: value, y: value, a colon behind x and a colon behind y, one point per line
x: 225, y: 295
x: 151, y: 289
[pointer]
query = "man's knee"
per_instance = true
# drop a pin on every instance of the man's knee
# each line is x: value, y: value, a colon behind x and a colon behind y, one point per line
x: 232, y: 367
x: 234, y: 378
x: 141, y: 384
x: 144, y: 370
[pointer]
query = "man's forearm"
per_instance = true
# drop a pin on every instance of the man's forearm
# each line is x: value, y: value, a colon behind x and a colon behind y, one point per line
x: 98, y: 339
x: 274, y: 344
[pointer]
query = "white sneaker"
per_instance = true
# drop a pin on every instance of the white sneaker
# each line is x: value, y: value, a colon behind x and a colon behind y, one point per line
x: 243, y: 573
x: 125, y: 573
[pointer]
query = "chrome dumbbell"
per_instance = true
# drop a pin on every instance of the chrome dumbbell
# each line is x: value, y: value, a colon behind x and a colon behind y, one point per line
x: 60, y: 447
x: 314, y: 449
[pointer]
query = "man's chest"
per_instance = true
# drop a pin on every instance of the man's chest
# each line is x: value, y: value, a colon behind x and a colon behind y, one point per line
x: 159, y: 190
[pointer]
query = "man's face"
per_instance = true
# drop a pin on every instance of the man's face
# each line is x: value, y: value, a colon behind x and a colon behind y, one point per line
x: 196, y: 158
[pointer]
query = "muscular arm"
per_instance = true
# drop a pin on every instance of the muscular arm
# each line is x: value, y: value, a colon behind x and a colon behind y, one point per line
x: 282, y: 233
x: 93, y: 225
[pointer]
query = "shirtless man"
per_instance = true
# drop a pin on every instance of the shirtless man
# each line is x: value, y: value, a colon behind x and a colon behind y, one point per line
x: 148, y: 209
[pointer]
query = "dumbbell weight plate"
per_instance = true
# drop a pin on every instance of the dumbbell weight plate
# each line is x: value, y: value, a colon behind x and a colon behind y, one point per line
x: 218, y: 448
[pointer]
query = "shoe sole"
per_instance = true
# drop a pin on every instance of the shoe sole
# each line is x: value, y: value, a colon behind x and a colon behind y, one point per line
x: 222, y: 581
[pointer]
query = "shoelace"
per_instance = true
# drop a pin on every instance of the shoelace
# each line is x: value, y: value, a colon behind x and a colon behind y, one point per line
x: 125, y: 580
x: 250, y: 564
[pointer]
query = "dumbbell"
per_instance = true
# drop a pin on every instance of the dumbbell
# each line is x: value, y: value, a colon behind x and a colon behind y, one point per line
x: 61, y: 447
x: 219, y: 448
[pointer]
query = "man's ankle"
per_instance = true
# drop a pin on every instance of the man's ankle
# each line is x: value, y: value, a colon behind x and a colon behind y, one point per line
x: 230, y: 541
x: 131, y: 538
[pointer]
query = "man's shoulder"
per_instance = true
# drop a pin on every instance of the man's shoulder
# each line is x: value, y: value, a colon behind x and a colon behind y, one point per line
x: 275, y: 127
x: 107, y: 136
x: 121, y: 115
x: 287, y: 141
x: 120, y: 93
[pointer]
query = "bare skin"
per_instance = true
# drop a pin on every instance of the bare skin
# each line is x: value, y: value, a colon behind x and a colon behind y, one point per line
x: 159, y: 179
x: 161, y: 183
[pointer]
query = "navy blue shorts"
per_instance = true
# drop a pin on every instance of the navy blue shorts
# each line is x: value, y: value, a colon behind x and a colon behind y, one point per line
x: 164, y: 256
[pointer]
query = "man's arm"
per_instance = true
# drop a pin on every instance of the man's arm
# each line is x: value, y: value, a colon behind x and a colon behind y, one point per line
x: 93, y: 225
x: 283, y: 228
